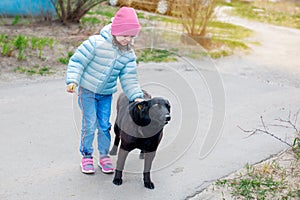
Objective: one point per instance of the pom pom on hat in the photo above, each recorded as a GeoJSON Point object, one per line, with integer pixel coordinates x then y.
{"type": "Point", "coordinates": [125, 22]}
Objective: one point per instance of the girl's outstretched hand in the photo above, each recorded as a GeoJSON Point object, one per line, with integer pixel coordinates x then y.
{"type": "Point", "coordinates": [71, 87]}
{"type": "Point", "coordinates": [138, 100]}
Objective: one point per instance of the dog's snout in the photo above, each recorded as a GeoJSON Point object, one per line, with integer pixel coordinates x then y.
{"type": "Point", "coordinates": [168, 117]}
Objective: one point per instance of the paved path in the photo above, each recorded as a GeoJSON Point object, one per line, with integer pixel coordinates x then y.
{"type": "Point", "coordinates": [39, 127]}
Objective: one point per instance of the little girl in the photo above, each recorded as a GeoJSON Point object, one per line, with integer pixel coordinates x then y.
{"type": "Point", "coordinates": [95, 67]}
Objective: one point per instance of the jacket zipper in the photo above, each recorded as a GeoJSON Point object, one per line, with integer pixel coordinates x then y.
{"type": "Point", "coordinates": [109, 73]}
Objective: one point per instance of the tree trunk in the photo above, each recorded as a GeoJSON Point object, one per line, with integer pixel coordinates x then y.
{"type": "Point", "coordinates": [72, 14]}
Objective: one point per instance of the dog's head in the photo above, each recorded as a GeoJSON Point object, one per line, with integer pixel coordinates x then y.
{"type": "Point", "coordinates": [155, 111]}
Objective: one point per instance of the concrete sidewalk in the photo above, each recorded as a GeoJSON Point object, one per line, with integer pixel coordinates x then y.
{"type": "Point", "coordinates": [39, 138]}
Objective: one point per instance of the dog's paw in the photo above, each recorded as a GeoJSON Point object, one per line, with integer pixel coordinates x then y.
{"type": "Point", "coordinates": [149, 185]}
{"type": "Point", "coordinates": [117, 181]}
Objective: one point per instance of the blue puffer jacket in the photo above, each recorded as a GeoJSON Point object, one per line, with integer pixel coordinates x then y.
{"type": "Point", "coordinates": [97, 64]}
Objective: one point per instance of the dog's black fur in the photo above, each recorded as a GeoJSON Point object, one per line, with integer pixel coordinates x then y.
{"type": "Point", "coordinates": [139, 125]}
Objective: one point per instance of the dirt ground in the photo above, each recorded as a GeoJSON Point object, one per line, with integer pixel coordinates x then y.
{"type": "Point", "coordinates": [66, 39]}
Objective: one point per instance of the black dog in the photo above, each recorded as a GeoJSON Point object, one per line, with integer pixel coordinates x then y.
{"type": "Point", "coordinates": [139, 125]}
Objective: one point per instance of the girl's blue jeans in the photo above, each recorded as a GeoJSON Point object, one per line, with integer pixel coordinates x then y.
{"type": "Point", "coordinates": [96, 111]}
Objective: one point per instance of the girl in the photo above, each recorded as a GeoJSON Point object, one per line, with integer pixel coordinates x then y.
{"type": "Point", "coordinates": [95, 67]}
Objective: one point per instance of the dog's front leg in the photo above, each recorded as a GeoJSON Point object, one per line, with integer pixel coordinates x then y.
{"type": "Point", "coordinates": [122, 155]}
{"type": "Point", "coordinates": [149, 156]}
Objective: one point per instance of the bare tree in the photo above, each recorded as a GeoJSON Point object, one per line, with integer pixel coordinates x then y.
{"type": "Point", "coordinates": [195, 15]}
{"type": "Point", "coordinates": [71, 11]}
{"type": "Point", "coordinates": [290, 123]}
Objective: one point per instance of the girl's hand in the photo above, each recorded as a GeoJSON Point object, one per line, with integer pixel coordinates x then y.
{"type": "Point", "coordinates": [71, 87]}
{"type": "Point", "coordinates": [138, 100]}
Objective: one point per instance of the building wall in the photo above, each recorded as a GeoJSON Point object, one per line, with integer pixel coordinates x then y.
{"type": "Point", "coordinates": [27, 8]}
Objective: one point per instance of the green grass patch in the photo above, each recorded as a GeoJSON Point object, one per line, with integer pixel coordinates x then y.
{"type": "Point", "coordinates": [296, 147]}
{"type": "Point", "coordinates": [220, 53]}
{"type": "Point", "coordinates": [90, 20]}
{"type": "Point", "coordinates": [21, 43]}
{"type": "Point", "coordinates": [259, 183]}
{"type": "Point", "coordinates": [24, 45]}
{"type": "Point", "coordinates": [106, 11]}
{"type": "Point", "coordinates": [99, 15]}
{"type": "Point", "coordinates": [232, 44]}
{"type": "Point", "coordinates": [227, 38]}
{"type": "Point", "coordinates": [44, 71]}
{"type": "Point", "coordinates": [33, 70]}
{"type": "Point", "coordinates": [282, 13]}
{"type": "Point", "coordinates": [65, 60]}
{"type": "Point", "coordinates": [227, 30]}
{"type": "Point", "coordinates": [16, 20]}
{"type": "Point", "coordinates": [155, 55]}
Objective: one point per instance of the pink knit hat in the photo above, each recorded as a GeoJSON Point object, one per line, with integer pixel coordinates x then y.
{"type": "Point", "coordinates": [125, 22]}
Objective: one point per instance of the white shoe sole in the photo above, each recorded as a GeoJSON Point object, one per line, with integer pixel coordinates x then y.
{"type": "Point", "coordinates": [86, 172]}
{"type": "Point", "coordinates": [105, 171]}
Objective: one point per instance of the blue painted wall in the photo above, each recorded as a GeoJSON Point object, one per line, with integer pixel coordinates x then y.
{"type": "Point", "coordinates": [27, 8]}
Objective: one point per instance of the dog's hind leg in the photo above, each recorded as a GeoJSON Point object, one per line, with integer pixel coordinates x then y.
{"type": "Point", "coordinates": [149, 156]}
{"type": "Point", "coordinates": [120, 166]}
{"type": "Point", "coordinates": [142, 154]}
{"type": "Point", "coordinates": [114, 149]}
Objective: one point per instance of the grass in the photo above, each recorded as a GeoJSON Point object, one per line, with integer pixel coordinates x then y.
{"type": "Point", "coordinates": [99, 15]}
{"type": "Point", "coordinates": [90, 20]}
{"type": "Point", "coordinates": [33, 70]}
{"type": "Point", "coordinates": [21, 43]}
{"type": "Point", "coordinates": [227, 38]}
{"type": "Point", "coordinates": [107, 11]}
{"type": "Point", "coordinates": [296, 147]}
{"type": "Point", "coordinates": [16, 20]}
{"type": "Point", "coordinates": [266, 181]}
{"type": "Point", "coordinates": [65, 60]}
{"type": "Point", "coordinates": [227, 30]}
{"type": "Point", "coordinates": [24, 45]}
{"type": "Point", "coordinates": [282, 13]}
{"type": "Point", "coordinates": [155, 55]}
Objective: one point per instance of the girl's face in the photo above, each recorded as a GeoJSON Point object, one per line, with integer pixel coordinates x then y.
{"type": "Point", "coordinates": [124, 39]}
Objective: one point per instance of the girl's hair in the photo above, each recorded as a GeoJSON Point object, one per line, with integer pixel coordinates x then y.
{"type": "Point", "coordinates": [122, 48]}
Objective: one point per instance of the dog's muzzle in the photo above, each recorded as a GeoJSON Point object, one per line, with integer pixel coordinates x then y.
{"type": "Point", "coordinates": [168, 118]}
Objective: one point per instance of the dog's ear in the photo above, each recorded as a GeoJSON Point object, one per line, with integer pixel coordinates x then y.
{"type": "Point", "coordinates": [138, 107]}
{"type": "Point", "coordinates": [139, 112]}
{"type": "Point", "coordinates": [142, 105]}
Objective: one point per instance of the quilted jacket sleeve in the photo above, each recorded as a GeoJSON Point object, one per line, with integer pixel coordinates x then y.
{"type": "Point", "coordinates": [80, 59]}
{"type": "Point", "coordinates": [129, 81]}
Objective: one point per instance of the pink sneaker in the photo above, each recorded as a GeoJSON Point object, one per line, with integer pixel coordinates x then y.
{"type": "Point", "coordinates": [105, 165]}
{"type": "Point", "coordinates": [87, 166]}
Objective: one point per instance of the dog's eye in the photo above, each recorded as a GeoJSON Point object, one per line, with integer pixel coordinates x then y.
{"type": "Point", "coordinates": [168, 106]}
